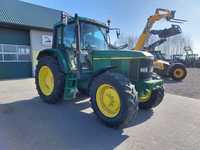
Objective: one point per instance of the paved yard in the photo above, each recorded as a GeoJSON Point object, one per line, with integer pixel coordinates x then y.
{"type": "Point", "coordinates": [190, 87]}
{"type": "Point", "coordinates": [26, 123]}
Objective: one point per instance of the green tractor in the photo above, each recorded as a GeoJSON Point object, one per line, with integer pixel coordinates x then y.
{"type": "Point", "coordinates": [82, 60]}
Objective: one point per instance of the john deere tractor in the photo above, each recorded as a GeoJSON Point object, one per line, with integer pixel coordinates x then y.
{"type": "Point", "coordinates": [82, 60]}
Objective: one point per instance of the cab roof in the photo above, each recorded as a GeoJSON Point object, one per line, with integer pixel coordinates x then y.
{"type": "Point", "coordinates": [84, 19]}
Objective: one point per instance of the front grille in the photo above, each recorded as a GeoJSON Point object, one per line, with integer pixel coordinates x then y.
{"type": "Point", "coordinates": [149, 64]}
{"type": "Point", "coordinates": [135, 65]}
{"type": "Point", "coordinates": [134, 68]}
{"type": "Point", "coordinates": [146, 63]}
{"type": "Point", "coordinates": [145, 76]}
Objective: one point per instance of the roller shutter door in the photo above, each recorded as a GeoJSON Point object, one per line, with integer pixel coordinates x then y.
{"type": "Point", "coordinates": [15, 53]}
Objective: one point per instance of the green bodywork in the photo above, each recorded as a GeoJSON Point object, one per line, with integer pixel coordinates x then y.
{"type": "Point", "coordinates": [119, 61]}
{"type": "Point", "coordinates": [126, 62]}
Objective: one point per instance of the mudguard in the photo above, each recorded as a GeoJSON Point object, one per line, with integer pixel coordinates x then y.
{"type": "Point", "coordinates": [99, 72]}
{"type": "Point", "coordinates": [70, 77]}
{"type": "Point", "coordinates": [59, 55]}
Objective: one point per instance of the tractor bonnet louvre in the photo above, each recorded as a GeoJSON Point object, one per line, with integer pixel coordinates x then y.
{"type": "Point", "coordinates": [134, 66]}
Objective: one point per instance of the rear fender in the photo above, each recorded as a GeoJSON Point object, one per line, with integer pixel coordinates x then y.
{"type": "Point", "coordinates": [58, 55]}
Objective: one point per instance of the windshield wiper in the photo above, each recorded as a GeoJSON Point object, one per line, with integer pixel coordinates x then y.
{"type": "Point", "coordinates": [104, 35]}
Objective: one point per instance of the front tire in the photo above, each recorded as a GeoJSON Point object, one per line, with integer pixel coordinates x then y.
{"type": "Point", "coordinates": [154, 100]}
{"type": "Point", "coordinates": [114, 99]}
{"type": "Point", "coordinates": [49, 80]}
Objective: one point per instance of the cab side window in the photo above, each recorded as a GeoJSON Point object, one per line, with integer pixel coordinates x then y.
{"type": "Point", "coordinates": [58, 37]}
{"type": "Point", "coordinates": [69, 36]}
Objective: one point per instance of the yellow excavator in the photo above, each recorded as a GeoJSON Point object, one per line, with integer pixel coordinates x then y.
{"type": "Point", "coordinates": [176, 71]}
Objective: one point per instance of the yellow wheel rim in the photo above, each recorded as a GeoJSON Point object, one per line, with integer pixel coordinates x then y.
{"type": "Point", "coordinates": [179, 73]}
{"type": "Point", "coordinates": [108, 100]}
{"type": "Point", "coordinates": [46, 80]}
{"type": "Point", "coordinates": [145, 96]}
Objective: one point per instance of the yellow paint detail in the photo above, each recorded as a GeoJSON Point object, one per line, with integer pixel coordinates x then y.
{"type": "Point", "coordinates": [108, 100]}
{"type": "Point", "coordinates": [34, 60]}
{"type": "Point", "coordinates": [179, 73]}
{"type": "Point", "coordinates": [145, 96]}
{"type": "Point", "coordinates": [118, 58]}
{"type": "Point", "coordinates": [46, 80]}
{"type": "Point", "coordinates": [141, 41]}
{"type": "Point", "coordinates": [158, 65]}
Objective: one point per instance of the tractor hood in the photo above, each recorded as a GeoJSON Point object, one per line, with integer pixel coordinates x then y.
{"type": "Point", "coordinates": [120, 54]}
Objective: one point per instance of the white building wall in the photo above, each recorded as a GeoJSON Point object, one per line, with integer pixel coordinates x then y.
{"type": "Point", "coordinates": [40, 40]}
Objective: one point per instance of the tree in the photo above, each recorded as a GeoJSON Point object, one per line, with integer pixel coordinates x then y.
{"type": "Point", "coordinates": [126, 39]}
{"type": "Point", "coordinates": [175, 45]}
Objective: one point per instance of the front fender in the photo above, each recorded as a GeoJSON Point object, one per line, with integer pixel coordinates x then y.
{"type": "Point", "coordinates": [102, 71]}
{"type": "Point", "coordinates": [149, 84]}
{"type": "Point", "coordinates": [97, 73]}
{"type": "Point", "coordinates": [59, 55]}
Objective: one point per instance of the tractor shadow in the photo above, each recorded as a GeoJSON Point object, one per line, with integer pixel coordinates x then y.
{"type": "Point", "coordinates": [170, 81]}
{"type": "Point", "coordinates": [32, 124]}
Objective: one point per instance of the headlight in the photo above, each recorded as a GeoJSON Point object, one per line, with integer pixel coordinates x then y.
{"type": "Point", "coordinates": [144, 69]}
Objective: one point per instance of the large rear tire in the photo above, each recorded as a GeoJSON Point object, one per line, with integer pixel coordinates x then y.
{"type": "Point", "coordinates": [49, 80]}
{"type": "Point", "coordinates": [114, 99]}
{"type": "Point", "coordinates": [155, 99]}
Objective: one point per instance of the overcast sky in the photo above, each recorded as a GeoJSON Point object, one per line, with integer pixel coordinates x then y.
{"type": "Point", "coordinates": [131, 15]}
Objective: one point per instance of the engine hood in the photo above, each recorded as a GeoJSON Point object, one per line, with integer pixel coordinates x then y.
{"type": "Point", "coordinates": [120, 54]}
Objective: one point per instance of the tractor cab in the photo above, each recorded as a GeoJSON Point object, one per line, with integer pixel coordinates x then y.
{"type": "Point", "coordinates": [80, 38]}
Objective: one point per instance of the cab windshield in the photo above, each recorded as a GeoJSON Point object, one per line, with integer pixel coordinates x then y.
{"type": "Point", "coordinates": [93, 37]}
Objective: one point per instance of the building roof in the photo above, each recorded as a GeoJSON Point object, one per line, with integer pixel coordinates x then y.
{"type": "Point", "coordinates": [25, 14]}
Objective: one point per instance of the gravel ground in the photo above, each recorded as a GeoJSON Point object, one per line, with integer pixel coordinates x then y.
{"type": "Point", "coordinates": [190, 87]}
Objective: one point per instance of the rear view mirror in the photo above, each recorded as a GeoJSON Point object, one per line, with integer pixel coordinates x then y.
{"type": "Point", "coordinates": [118, 33]}
{"type": "Point", "coordinates": [73, 45]}
{"type": "Point", "coordinates": [109, 22]}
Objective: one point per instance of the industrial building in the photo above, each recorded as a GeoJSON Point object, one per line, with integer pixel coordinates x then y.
{"type": "Point", "coordinates": [25, 29]}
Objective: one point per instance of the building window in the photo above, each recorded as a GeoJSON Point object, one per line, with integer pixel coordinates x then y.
{"type": "Point", "coordinates": [15, 53]}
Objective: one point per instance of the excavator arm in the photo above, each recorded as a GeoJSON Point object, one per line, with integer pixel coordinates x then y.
{"type": "Point", "coordinates": [168, 15]}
